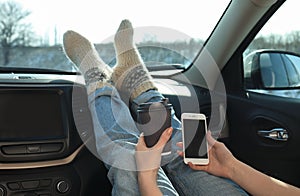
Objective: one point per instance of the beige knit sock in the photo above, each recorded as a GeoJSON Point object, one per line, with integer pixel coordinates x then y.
{"type": "Point", "coordinates": [130, 75]}
{"type": "Point", "coordinates": [84, 55]}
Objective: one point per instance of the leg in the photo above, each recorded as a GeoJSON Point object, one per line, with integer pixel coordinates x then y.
{"type": "Point", "coordinates": [185, 180]}
{"type": "Point", "coordinates": [116, 136]}
{"type": "Point", "coordinates": [115, 131]}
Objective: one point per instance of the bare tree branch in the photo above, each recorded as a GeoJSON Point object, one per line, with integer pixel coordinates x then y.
{"type": "Point", "coordinates": [13, 29]}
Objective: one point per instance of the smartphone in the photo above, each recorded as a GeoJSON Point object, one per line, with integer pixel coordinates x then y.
{"type": "Point", "coordinates": [195, 145]}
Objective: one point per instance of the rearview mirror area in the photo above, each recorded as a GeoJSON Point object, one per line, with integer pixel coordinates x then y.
{"type": "Point", "coordinates": [271, 69]}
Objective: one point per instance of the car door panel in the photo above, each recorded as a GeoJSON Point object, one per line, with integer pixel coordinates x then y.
{"type": "Point", "coordinates": [253, 112]}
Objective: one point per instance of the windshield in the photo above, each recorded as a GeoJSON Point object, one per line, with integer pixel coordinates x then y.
{"type": "Point", "coordinates": [166, 32]}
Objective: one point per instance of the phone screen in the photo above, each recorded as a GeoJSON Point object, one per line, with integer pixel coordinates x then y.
{"type": "Point", "coordinates": [194, 138]}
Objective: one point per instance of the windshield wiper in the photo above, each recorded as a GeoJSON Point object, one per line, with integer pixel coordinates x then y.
{"type": "Point", "coordinates": [164, 67]}
{"type": "Point", "coordinates": [36, 71]}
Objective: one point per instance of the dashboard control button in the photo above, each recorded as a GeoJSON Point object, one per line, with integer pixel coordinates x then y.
{"type": "Point", "coordinates": [13, 186]}
{"type": "Point", "coordinates": [34, 148]}
{"type": "Point", "coordinates": [12, 150]}
{"type": "Point", "coordinates": [62, 186]}
{"type": "Point", "coordinates": [2, 191]}
{"type": "Point", "coordinates": [56, 147]}
{"type": "Point", "coordinates": [30, 184]}
{"type": "Point", "coordinates": [45, 182]}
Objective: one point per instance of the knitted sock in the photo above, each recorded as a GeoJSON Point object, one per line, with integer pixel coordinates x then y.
{"type": "Point", "coordinates": [84, 55]}
{"type": "Point", "coordinates": [130, 75]}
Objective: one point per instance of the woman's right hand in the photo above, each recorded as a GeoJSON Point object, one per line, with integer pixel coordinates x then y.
{"type": "Point", "coordinates": [149, 158]}
{"type": "Point", "coordinates": [148, 162]}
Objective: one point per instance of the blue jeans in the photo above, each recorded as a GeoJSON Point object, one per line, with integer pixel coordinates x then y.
{"type": "Point", "coordinates": [116, 136]}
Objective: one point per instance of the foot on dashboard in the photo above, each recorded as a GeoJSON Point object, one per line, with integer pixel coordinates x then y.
{"type": "Point", "coordinates": [130, 74]}
{"type": "Point", "coordinates": [84, 55]}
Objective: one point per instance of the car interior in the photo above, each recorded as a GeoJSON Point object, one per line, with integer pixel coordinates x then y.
{"type": "Point", "coordinates": [47, 143]}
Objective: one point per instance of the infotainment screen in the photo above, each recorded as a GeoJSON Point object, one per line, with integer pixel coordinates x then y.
{"type": "Point", "coordinates": [31, 115]}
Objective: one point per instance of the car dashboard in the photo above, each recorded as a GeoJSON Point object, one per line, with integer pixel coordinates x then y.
{"type": "Point", "coordinates": [45, 134]}
{"type": "Point", "coordinates": [47, 143]}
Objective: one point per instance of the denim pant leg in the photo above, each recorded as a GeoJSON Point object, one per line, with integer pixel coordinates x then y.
{"type": "Point", "coordinates": [116, 136]}
{"type": "Point", "coordinates": [185, 180]}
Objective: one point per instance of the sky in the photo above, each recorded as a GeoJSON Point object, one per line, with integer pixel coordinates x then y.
{"type": "Point", "coordinates": [285, 20]}
{"type": "Point", "coordinates": [98, 20]}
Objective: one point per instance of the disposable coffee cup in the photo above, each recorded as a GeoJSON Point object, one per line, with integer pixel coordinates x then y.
{"type": "Point", "coordinates": [153, 119]}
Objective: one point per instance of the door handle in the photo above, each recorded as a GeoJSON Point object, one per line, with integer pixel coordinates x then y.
{"type": "Point", "coordinates": [277, 134]}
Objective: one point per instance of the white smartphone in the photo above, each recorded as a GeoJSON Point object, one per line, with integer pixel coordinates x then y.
{"type": "Point", "coordinates": [195, 145]}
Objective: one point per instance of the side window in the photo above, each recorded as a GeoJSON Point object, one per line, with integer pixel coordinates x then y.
{"type": "Point", "coordinates": [292, 72]}
{"type": "Point", "coordinates": [272, 60]}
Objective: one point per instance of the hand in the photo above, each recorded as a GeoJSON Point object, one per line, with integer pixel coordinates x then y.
{"type": "Point", "coordinates": [220, 158]}
{"type": "Point", "coordinates": [148, 162]}
{"type": "Point", "coordinates": [149, 158]}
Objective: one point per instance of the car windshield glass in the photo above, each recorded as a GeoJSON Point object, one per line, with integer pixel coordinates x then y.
{"type": "Point", "coordinates": [166, 32]}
